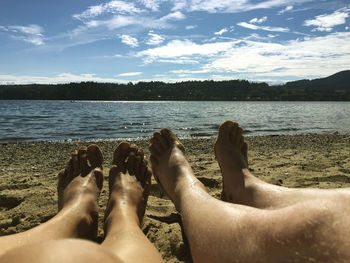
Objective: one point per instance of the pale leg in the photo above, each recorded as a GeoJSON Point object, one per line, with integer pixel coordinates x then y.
{"type": "Point", "coordinates": [129, 185]}
{"type": "Point", "coordinates": [240, 186]}
{"type": "Point", "coordinates": [60, 239]}
{"type": "Point", "coordinates": [224, 232]}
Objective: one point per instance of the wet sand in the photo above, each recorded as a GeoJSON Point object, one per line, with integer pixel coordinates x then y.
{"type": "Point", "coordinates": [28, 179]}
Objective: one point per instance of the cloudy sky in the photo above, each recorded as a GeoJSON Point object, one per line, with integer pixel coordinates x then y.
{"type": "Point", "coordinates": [45, 41]}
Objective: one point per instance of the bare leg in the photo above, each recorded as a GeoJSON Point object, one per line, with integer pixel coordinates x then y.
{"type": "Point", "coordinates": [77, 201]}
{"type": "Point", "coordinates": [59, 251]}
{"type": "Point", "coordinates": [129, 185]}
{"type": "Point", "coordinates": [224, 232]}
{"type": "Point", "coordinates": [242, 187]}
{"type": "Point", "coordinates": [58, 240]}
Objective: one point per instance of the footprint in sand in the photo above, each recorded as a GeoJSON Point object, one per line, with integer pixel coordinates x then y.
{"type": "Point", "coordinates": [9, 202]}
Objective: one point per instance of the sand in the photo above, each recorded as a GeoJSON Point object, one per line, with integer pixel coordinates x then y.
{"type": "Point", "coordinates": [28, 179]}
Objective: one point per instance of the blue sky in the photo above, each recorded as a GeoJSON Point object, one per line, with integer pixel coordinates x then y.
{"type": "Point", "coordinates": [46, 41]}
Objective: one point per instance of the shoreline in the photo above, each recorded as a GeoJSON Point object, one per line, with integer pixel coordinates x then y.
{"type": "Point", "coordinates": [29, 178]}
{"type": "Point", "coordinates": [145, 138]}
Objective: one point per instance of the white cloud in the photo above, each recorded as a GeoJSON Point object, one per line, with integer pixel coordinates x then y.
{"type": "Point", "coordinates": [257, 20]}
{"type": "Point", "coordinates": [166, 78]}
{"type": "Point", "coordinates": [112, 7]}
{"type": "Point", "coordinates": [182, 49]}
{"type": "Point", "coordinates": [287, 9]}
{"type": "Point", "coordinates": [235, 6]}
{"type": "Point", "coordinates": [299, 58]}
{"type": "Point", "coordinates": [61, 78]}
{"type": "Point", "coordinates": [173, 16]}
{"type": "Point", "coordinates": [120, 21]}
{"type": "Point", "coordinates": [247, 25]}
{"type": "Point", "coordinates": [129, 40]}
{"type": "Point", "coordinates": [129, 74]}
{"type": "Point", "coordinates": [31, 33]}
{"type": "Point", "coordinates": [154, 39]}
{"type": "Point", "coordinates": [151, 4]}
{"type": "Point", "coordinates": [258, 59]}
{"type": "Point", "coordinates": [189, 27]}
{"type": "Point", "coordinates": [38, 41]}
{"type": "Point", "coordinates": [219, 33]}
{"type": "Point", "coordinates": [185, 71]}
{"type": "Point", "coordinates": [29, 30]}
{"type": "Point", "coordinates": [327, 22]}
{"type": "Point", "coordinates": [265, 28]}
{"type": "Point", "coordinates": [175, 60]}
{"type": "Point", "coordinates": [179, 5]}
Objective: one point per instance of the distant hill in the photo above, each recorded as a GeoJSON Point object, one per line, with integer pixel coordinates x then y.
{"type": "Point", "coordinates": [340, 80]}
{"type": "Point", "coordinates": [332, 88]}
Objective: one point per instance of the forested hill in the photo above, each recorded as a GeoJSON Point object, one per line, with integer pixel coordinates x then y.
{"type": "Point", "coordinates": [340, 80]}
{"type": "Point", "coordinates": [332, 88]}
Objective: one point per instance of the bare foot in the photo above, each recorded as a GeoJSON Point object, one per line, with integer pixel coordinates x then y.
{"type": "Point", "coordinates": [170, 165]}
{"type": "Point", "coordinates": [79, 186]}
{"type": "Point", "coordinates": [231, 153]}
{"type": "Point", "coordinates": [129, 186]}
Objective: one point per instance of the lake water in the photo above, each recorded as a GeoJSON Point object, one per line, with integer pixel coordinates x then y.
{"type": "Point", "coordinates": [64, 120]}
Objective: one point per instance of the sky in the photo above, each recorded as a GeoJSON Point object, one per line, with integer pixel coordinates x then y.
{"type": "Point", "coordinates": [275, 41]}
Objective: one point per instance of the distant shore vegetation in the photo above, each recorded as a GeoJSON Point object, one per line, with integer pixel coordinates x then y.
{"type": "Point", "coordinates": [332, 88]}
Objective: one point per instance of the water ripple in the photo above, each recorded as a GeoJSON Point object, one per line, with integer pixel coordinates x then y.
{"type": "Point", "coordinates": [62, 120]}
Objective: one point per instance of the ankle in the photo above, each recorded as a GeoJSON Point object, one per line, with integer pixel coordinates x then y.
{"type": "Point", "coordinates": [188, 189]}
{"type": "Point", "coordinates": [121, 213]}
{"type": "Point", "coordinates": [82, 223]}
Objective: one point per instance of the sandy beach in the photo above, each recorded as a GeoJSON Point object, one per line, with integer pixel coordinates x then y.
{"type": "Point", "coordinates": [28, 173]}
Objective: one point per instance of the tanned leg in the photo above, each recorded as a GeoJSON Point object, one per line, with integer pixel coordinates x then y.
{"type": "Point", "coordinates": [224, 232]}
{"type": "Point", "coordinates": [59, 239]}
{"type": "Point", "coordinates": [242, 187]}
{"type": "Point", "coordinates": [129, 185]}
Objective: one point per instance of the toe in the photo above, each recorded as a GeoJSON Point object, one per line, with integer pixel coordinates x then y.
{"type": "Point", "coordinates": [142, 173]}
{"type": "Point", "coordinates": [114, 170]}
{"type": "Point", "coordinates": [61, 179]}
{"type": "Point", "coordinates": [147, 185]}
{"type": "Point", "coordinates": [240, 142]}
{"type": "Point", "coordinates": [225, 130]}
{"type": "Point", "coordinates": [161, 141]}
{"type": "Point", "coordinates": [97, 172]}
{"type": "Point", "coordinates": [132, 163]}
{"type": "Point", "coordinates": [83, 160]}
{"type": "Point", "coordinates": [138, 163]}
{"type": "Point", "coordinates": [134, 149]}
{"type": "Point", "coordinates": [69, 169]}
{"type": "Point", "coordinates": [171, 139]}
{"type": "Point", "coordinates": [245, 150]}
{"type": "Point", "coordinates": [154, 147]}
{"type": "Point", "coordinates": [234, 133]}
{"type": "Point", "coordinates": [168, 135]}
{"type": "Point", "coordinates": [121, 153]}
{"type": "Point", "coordinates": [76, 164]}
{"type": "Point", "coordinates": [62, 182]}
{"type": "Point", "coordinates": [239, 137]}
{"type": "Point", "coordinates": [94, 156]}
{"type": "Point", "coordinates": [140, 153]}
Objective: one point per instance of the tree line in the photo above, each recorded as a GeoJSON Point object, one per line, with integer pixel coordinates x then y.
{"type": "Point", "coordinates": [230, 90]}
